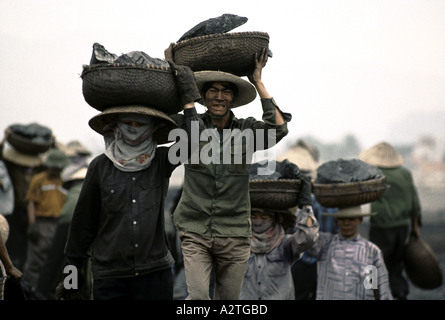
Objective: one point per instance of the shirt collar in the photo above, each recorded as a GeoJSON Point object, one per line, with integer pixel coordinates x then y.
{"type": "Point", "coordinates": [354, 239]}
{"type": "Point", "coordinates": [232, 120]}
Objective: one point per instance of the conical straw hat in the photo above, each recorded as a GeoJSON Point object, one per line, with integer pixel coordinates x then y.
{"type": "Point", "coordinates": [351, 212]}
{"type": "Point", "coordinates": [99, 122]}
{"type": "Point", "coordinates": [382, 155]}
{"type": "Point", "coordinates": [246, 91]}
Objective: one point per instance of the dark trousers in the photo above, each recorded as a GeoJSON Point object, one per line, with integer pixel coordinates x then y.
{"type": "Point", "coordinates": [157, 285]}
{"type": "Point", "coordinates": [391, 242]}
{"type": "Point", "coordinates": [304, 276]}
{"type": "Point", "coordinates": [52, 270]}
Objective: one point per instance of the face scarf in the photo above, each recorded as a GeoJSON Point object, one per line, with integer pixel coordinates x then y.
{"type": "Point", "coordinates": [131, 148]}
{"type": "Point", "coordinates": [267, 234]}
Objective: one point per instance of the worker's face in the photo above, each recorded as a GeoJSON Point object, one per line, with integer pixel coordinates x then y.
{"type": "Point", "coordinates": [219, 98]}
{"type": "Point", "coordinates": [134, 124]}
{"type": "Point", "coordinates": [53, 173]}
{"type": "Point", "coordinates": [261, 221]}
{"type": "Point", "coordinates": [348, 227]}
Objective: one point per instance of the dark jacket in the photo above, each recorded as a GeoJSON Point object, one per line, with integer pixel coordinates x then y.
{"type": "Point", "coordinates": [119, 218]}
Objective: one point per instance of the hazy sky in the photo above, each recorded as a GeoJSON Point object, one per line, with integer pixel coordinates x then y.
{"type": "Point", "coordinates": [340, 67]}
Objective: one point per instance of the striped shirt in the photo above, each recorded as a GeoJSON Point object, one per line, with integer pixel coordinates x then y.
{"type": "Point", "coordinates": [350, 269]}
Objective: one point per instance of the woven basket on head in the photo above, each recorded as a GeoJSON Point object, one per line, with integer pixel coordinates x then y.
{"type": "Point", "coordinates": [28, 146]}
{"type": "Point", "coordinates": [421, 264]}
{"type": "Point", "coordinates": [349, 194]}
{"type": "Point", "coordinates": [274, 194]}
{"type": "Point", "coordinates": [112, 85]}
{"type": "Point", "coordinates": [228, 52]}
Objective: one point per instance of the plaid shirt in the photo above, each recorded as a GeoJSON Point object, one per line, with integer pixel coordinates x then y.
{"type": "Point", "coordinates": [341, 268]}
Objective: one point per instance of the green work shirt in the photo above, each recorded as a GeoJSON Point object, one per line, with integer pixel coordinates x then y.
{"type": "Point", "coordinates": [400, 202]}
{"type": "Point", "coordinates": [215, 198]}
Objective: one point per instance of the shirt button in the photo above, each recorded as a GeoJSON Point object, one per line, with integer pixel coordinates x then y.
{"type": "Point", "coordinates": [134, 200]}
{"type": "Point", "coordinates": [134, 178]}
{"type": "Point", "coordinates": [134, 222]}
{"type": "Point", "coordinates": [112, 191]}
{"type": "Point", "coordinates": [136, 274]}
{"type": "Point", "coordinates": [136, 245]}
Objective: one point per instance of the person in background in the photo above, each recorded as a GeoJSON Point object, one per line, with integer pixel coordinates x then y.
{"type": "Point", "coordinates": [21, 169]}
{"type": "Point", "coordinates": [398, 211]}
{"type": "Point", "coordinates": [78, 155]}
{"type": "Point", "coordinates": [344, 259]}
{"type": "Point", "coordinates": [53, 266]}
{"type": "Point", "coordinates": [46, 198]}
{"type": "Point", "coordinates": [304, 270]}
{"type": "Point", "coordinates": [6, 191]}
{"type": "Point", "coordinates": [213, 216]}
{"type": "Point", "coordinates": [273, 252]}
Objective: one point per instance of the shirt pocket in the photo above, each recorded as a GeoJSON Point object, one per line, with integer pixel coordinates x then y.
{"type": "Point", "coordinates": [239, 160]}
{"type": "Point", "coordinates": [114, 198]}
{"type": "Point", "coordinates": [150, 195]}
{"type": "Point", "coordinates": [276, 265]}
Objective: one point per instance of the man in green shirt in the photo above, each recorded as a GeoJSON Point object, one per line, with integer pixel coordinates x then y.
{"type": "Point", "coordinates": [213, 215]}
{"type": "Point", "coordinates": [398, 209]}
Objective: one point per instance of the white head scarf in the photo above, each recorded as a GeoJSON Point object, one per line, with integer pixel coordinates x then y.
{"type": "Point", "coordinates": [131, 148]}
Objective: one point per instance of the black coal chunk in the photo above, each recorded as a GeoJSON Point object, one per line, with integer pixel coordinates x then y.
{"type": "Point", "coordinates": [101, 55]}
{"type": "Point", "coordinates": [282, 170]}
{"type": "Point", "coordinates": [33, 132]}
{"type": "Point", "coordinates": [346, 171]}
{"type": "Point", "coordinates": [221, 24]}
{"type": "Point", "coordinates": [140, 58]}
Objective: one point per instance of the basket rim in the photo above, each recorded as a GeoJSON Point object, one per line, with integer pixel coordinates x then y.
{"type": "Point", "coordinates": [123, 66]}
{"type": "Point", "coordinates": [274, 180]}
{"type": "Point", "coordinates": [274, 191]}
{"type": "Point", "coordinates": [209, 37]}
{"type": "Point", "coordinates": [338, 189]}
{"type": "Point", "coordinates": [347, 184]}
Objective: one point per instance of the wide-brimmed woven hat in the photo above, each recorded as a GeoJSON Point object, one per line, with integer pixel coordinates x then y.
{"type": "Point", "coordinates": [108, 116]}
{"type": "Point", "coordinates": [4, 228]}
{"type": "Point", "coordinates": [350, 212]}
{"type": "Point", "coordinates": [382, 155]}
{"type": "Point", "coordinates": [22, 159]}
{"type": "Point", "coordinates": [246, 91]}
